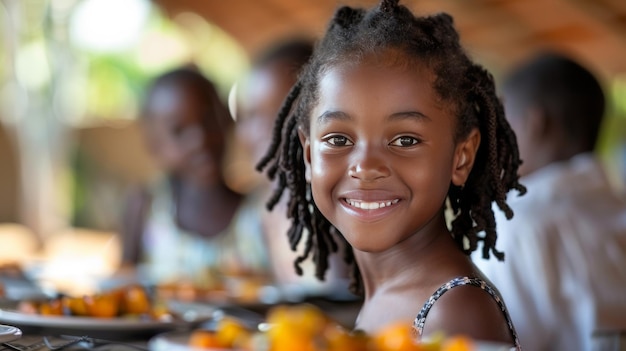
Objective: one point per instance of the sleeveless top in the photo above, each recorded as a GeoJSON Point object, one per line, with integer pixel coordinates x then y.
{"type": "Point", "coordinates": [171, 253]}
{"type": "Point", "coordinates": [418, 324]}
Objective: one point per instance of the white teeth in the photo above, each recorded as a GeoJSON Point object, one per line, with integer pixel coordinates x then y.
{"type": "Point", "coordinates": [370, 205]}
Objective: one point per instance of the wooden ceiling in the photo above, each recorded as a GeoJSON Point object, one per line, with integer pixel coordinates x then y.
{"type": "Point", "coordinates": [497, 33]}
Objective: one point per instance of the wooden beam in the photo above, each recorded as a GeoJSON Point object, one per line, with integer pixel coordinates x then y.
{"type": "Point", "coordinates": [501, 32]}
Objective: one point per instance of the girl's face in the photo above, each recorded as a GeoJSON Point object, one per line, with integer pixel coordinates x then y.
{"type": "Point", "coordinates": [381, 154]}
{"type": "Point", "coordinates": [183, 136]}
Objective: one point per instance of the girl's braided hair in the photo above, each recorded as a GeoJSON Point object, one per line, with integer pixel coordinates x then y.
{"type": "Point", "coordinates": [433, 41]}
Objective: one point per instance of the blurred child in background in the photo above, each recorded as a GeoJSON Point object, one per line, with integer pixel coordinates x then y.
{"type": "Point", "coordinates": [177, 227]}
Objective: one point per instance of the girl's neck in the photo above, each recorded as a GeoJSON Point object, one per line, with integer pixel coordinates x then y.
{"type": "Point", "coordinates": [420, 260]}
{"type": "Point", "coordinates": [203, 209]}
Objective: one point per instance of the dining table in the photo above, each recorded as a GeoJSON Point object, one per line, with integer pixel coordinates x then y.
{"type": "Point", "coordinates": [43, 338]}
{"type": "Point", "coordinates": [48, 333]}
{"type": "Point", "coordinates": [31, 331]}
{"type": "Point", "coordinates": [39, 342]}
{"type": "Point", "coordinates": [22, 331]}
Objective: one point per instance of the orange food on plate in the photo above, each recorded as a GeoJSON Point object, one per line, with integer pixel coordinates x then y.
{"type": "Point", "coordinates": [129, 301]}
{"type": "Point", "coordinates": [397, 336]}
{"type": "Point", "coordinates": [295, 327]}
{"type": "Point", "coordinates": [205, 339]}
{"type": "Point", "coordinates": [458, 343]}
{"type": "Point", "coordinates": [232, 333]}
{"type": "Point", "coordinates": [229, 334]}
{"type": "Point", "coordinates": [339, 339]}
{"type": "Point", "coordinates": [305, 320]}
{"type": "Point", "coordinates": [135, 300]}
{"type": "Point", "coordinates": [102, 305]}
{"type": "Point", "coordinates": [306, 328]}
{"type": "Point", "coordinates": [75, 305]}
{"type": "Point", "coordinates": [53, 308]}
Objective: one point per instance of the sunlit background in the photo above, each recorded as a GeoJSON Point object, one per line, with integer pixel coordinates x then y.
{"type": "Point", "coordinates": [71, 76]}
{"type": "Point", "coordinates": [72, 73]}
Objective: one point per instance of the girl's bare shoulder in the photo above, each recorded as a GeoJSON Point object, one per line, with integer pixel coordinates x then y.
{"type": "Point", "coordinates": [468, 310]}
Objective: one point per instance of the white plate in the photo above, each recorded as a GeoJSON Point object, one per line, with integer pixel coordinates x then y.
{"type": "Point", "coordinates": [9, 333]}
{"type": "Point", "coordinates": [110, 328]}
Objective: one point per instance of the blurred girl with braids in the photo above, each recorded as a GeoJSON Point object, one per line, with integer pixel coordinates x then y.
{"type": "Point", "coordinates": [389, 122]}
{"type": "Point", "coordinates": [179, 226]}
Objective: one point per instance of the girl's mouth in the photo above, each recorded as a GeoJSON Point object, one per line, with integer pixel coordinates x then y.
{"type": "Point", "coordinates": [373, 205]}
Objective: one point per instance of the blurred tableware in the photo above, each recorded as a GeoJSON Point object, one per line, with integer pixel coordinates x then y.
{"type": "Point", "coordinates": [17, 289]}
{"type": "Point", "coordinates": [121, 328]}
{"type": "Point", "coordinates": [9, 333]}
{"type": "Point", "coordinates": [31, 342]}
{"type": "Point", "coordinates": [16, 284]}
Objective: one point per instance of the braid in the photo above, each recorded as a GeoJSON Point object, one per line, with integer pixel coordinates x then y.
{"type": "Point", "coordinates": [499, 157]}
{"type": "Point", "coordinates": [431, 41]}
{"type": "Point", "coordinates": [274, 145]}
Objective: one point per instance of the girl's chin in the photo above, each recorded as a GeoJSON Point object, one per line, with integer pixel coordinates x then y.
{"type": "Point", "coordinates": [368, 247]}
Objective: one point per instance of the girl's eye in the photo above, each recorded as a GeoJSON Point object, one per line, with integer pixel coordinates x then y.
{"type": "Point", "coordinates": [338, 140]}
{"type": "Point", "coordinates": [405, 141]}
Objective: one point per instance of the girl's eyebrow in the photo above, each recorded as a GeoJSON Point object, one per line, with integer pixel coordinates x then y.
{"type": "Point", "coordinates": [327, 116]}
{"type": "Point", "coordinates": [409, 115]}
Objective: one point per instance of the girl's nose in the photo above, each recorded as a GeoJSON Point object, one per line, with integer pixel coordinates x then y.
{"type": "Point", "coordinates": [369, 165]}
{"type": "Point", "coordinates": [194, 138]}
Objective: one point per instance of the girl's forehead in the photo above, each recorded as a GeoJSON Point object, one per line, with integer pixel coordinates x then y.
{"type": "Point", "coordinates": [370, 87]}
{"type": "Point", "coordinates": [378, 72]}
{"type": "Point", "coordinates": [420, 66]}
{"type": "Point", "coordinates": [389, 67]}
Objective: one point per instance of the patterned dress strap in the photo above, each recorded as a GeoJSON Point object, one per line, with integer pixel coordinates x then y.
{"type": "Point", "coordinates": [418, 324]}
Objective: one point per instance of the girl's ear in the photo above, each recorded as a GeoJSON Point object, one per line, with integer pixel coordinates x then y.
{"type": "Point", "coordinates": [464, 157]}
{"type": "Point", "coordinates": [306, 152]}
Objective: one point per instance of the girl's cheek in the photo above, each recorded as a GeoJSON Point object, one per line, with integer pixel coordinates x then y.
{"type": "Point", "coordinates": [321, 166]}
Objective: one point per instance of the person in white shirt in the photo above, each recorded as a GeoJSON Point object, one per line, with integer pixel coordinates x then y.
{"type": "Point", "coordinates": [564, 274]}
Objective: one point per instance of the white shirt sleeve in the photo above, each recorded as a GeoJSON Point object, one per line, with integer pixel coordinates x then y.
{"type": "Point", "coordinates": [527, 280]}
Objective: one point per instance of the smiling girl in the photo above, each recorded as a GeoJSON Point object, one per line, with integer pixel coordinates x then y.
{"type": "Point", "coordinates": [389, 122]}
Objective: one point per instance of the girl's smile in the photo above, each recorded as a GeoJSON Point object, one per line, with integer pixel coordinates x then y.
{"type": "Point", "coordinates": [369, 205]}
